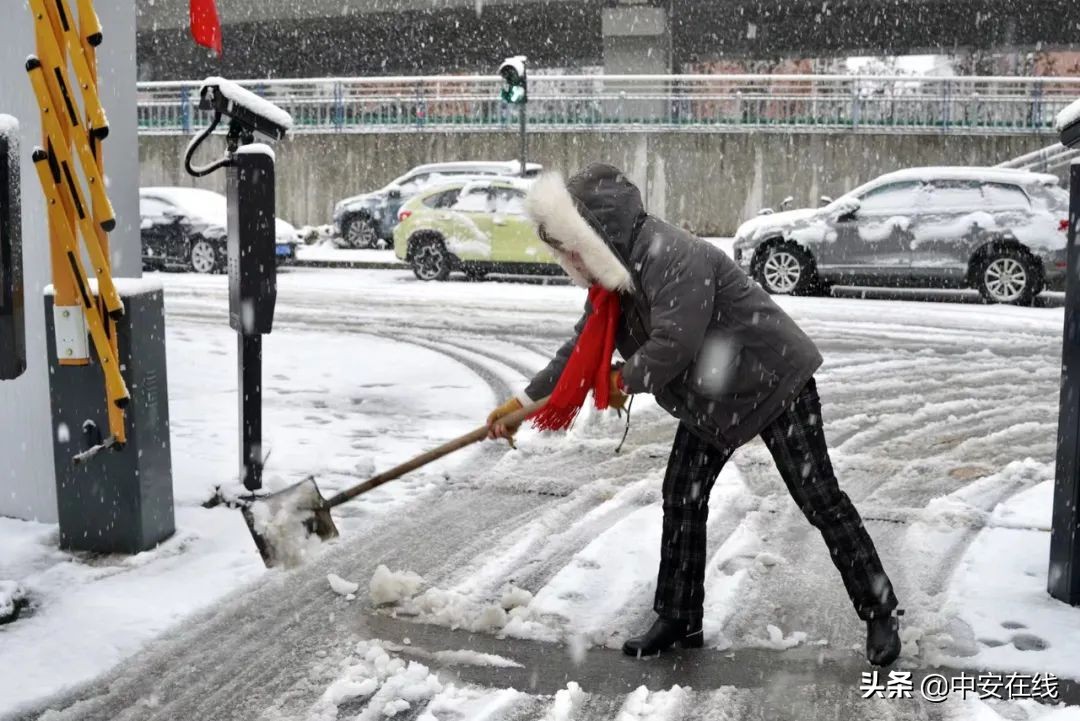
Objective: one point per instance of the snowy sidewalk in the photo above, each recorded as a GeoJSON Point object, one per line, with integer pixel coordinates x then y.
{"type": "Point", "coordinates": [336, 406]}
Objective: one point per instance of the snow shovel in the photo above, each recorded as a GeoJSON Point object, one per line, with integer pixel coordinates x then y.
{"type": "Point", "coordinates": [281, 523]}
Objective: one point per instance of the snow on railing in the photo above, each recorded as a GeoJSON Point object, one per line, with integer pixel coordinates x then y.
{"type": "Point", "coordinates": [699, 102]}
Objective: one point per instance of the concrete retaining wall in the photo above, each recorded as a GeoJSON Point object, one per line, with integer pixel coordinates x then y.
{"type": "Point", "coordinates": [711, 181]}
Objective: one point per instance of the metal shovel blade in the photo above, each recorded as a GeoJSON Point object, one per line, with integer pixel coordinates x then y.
{"type": "Point", "coordinates": [281, 523]}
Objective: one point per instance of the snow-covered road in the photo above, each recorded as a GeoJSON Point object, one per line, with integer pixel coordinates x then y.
{"type": "Point", "coordinates": [942, 418]}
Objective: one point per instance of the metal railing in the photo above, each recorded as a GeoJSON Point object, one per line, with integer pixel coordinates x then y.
{"type": "Point", "coordinates": [626, 102]}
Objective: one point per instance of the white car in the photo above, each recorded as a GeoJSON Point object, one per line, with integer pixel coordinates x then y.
{"type": "Point", "coordinates": [184, 228]}
{"type": "Point", "coordinates": [1002, 232]}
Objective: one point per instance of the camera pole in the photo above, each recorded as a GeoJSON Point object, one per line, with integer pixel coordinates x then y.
{"type": "Point", "coordinates": [524, 136]}
{"type": "Point", "coordinates": [250, 189]}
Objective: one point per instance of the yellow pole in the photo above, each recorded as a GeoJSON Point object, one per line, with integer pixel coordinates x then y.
{"type": "Point", "coordinates": [90, 35]}
{"type": "Point", "coordinates": [66, 295]}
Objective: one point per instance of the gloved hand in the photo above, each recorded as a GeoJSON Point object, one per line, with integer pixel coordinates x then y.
{"type": "Point", "coordinates": [500, 430]}
{"type": "Point", "coordinates": [617, 395]}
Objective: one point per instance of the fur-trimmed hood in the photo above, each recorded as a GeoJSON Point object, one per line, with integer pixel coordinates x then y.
{"type": "Point", "coordinates": [590, 223]}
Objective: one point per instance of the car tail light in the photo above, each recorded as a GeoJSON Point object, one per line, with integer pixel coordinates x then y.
{"type": "Point", "coordinates": [1060, 264]}
{"type": "Point", "coordinates": [1063, 226]}
{"type": "Point", "coordinates": [403, 215]}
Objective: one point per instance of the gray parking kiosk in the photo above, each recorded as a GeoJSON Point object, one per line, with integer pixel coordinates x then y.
{"type": "Point", "coordinates": [252, 262]}
{"type": "Point", "coordinates": [12, 313]}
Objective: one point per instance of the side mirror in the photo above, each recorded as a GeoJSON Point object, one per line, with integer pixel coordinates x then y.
{"type": "Point", "coordinates": [765, 211]}
{"type": "Point", "coordinates": [825, 200]}
{"type": "Point", "coordinates": [172, 214]}
{"type": "Point", "coordinates": [845, 210]}
{"type": "Point", "coordinates": [394, 193]}
{"type": "Point", "coordinates": [786, 202]}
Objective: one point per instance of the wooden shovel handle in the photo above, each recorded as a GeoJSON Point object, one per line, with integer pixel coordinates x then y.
{"type": "Point", "coordinates": [515, 418]}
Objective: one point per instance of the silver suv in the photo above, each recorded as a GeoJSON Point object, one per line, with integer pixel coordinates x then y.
{"type": "Point", "coordinates": [1000, 231]}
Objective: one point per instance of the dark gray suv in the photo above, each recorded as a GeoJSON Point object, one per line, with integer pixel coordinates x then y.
{"type": "Point", "coordinates": [1000, 231]}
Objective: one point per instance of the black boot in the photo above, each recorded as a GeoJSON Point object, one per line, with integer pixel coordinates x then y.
{"type": "Point", "coordinates": [883, 639]}
{"type": "Point", "coordinates": [665, 633]}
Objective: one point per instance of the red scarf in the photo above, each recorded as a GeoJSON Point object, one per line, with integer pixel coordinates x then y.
{"type": "Point", "coordinates": [589, 365]}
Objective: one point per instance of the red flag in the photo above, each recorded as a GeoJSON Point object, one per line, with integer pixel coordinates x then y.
{"type": "Point", "coordinates": [205, 26]}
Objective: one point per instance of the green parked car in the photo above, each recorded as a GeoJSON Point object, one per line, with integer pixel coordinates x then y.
{"type": "Point", "coordinates": [476, 226]}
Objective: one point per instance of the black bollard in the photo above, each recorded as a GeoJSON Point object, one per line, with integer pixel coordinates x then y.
{"type": "Point", "coordinates": [1063, 581]}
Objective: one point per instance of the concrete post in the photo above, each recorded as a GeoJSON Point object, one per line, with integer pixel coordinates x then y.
{"type": "Point", "coordinates": [637, 41]}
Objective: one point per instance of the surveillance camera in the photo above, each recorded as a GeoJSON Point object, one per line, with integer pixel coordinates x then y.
{"type": "Point", "coordinates": [1068, 125]}
{"type": "Point", "coordinates": [255, 114]}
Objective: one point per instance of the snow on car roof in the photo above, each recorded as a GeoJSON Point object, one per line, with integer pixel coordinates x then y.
{"type": "Point", "coordinates": [522, 184]}
{"type": "Point", "coordinates": [510, 166]}
{"type": "Point", "coordinates": [969, 172]}
{"type": "Point", "coordinates": [464, 182]}
{"type": "Point", "coordinates": [205, 204]}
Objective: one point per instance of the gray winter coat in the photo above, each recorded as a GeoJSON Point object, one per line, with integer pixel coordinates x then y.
{"type": "Point", "coordinates": [696, 332]}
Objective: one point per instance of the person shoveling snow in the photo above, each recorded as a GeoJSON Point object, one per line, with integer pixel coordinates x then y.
{"type": "Point", "coordinates": [718, 354]}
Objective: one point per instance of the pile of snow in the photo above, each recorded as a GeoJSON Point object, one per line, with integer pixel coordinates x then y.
{"type": "Point", "coordinates": [465, 657]}
{"type": "Point", "coordinates": [12, 598]}
{"type": "Point", "coordinates": [444, 607]}
{"type": "Point", "coordinates": [641, 705]}
{"type": "Point", "coordinates": [392, 685]}
{"type": "Point", "coordinates": [567, 701]}
{"type": "Point", "coordinates": [515, 597]}
{"type": "Point", "coordinates": [393, 586]}
{"type": "Point", "coordinates": [471, 703]}
{"type": "Point", "coordinates": [457, 610]}
{"type": "Point", "coordinates": [450, 608]}
{"type": "Point", "coordinates": [777, 641]}
{"type": "Point", "coordinates": [458, 657]}
{"type": "Point", "coordinates": [282, 523]}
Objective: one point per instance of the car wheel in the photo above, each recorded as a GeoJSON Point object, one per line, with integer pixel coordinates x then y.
{"type": "Point", "coordinates": [430, 261]}
{"type": "Point", "coordinates": [203, 257]}
{"type": "Point", "coordinates": [786, 269]}
{"type": "Point", "coordinates": [1008, 275]}
{"type": "Point", "coordinates": [360, 232]}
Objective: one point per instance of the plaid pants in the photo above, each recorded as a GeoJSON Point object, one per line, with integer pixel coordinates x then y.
{"type": "Point", "coordinates": [796, 441]}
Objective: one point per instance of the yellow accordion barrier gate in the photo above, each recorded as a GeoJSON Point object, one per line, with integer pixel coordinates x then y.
{"type": "Point", "coordinates": [73, 211]}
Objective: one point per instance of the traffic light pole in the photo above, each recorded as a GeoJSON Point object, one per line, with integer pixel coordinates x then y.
{"type": "Point", "coordinates": [524, 136]}
{"type": "Point", "coordinates": [1064, 577]}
